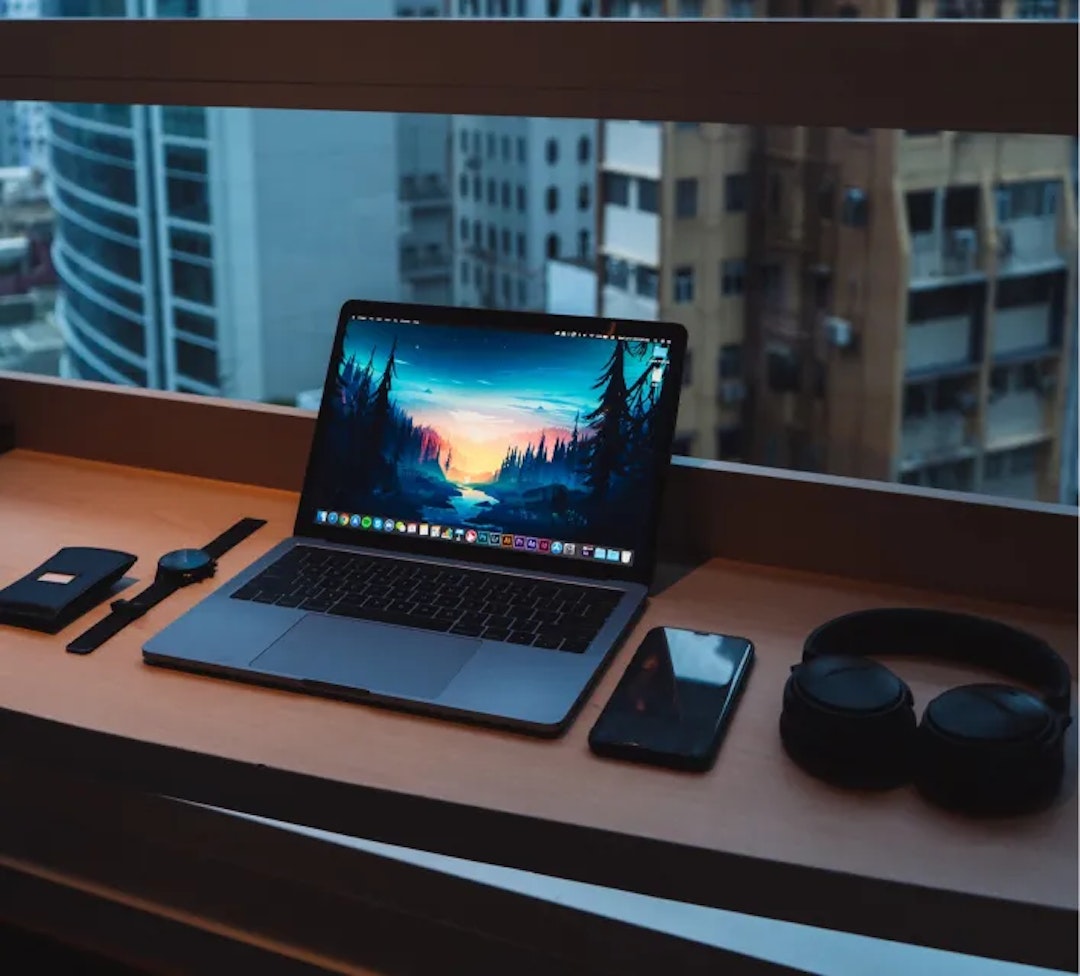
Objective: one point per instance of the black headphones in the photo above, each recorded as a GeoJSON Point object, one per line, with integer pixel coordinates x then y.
{"type": "Point", "coordinates": [981, 748]}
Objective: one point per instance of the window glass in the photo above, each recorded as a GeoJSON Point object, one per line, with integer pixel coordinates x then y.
{"type": "Point", "coordinates": [139, 253]}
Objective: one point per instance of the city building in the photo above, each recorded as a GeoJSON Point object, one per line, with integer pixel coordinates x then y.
{"type": "Point", "coordinates": [209, 250]}
{"type": "Point", "coordinates": [877, 303]}
{"type": "Point", "coordinates": [23, 127]}
{"type": "Point", "coordinates": [524, 189]}
{"type": "Point", "coordinates": [30, 340]}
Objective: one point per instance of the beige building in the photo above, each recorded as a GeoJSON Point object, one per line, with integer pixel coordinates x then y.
{"type": "Point", "coordinates": [879, 303]}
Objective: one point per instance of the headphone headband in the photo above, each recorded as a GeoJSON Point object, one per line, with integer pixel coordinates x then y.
{"type": "Point", "coordinates": [959, 637]}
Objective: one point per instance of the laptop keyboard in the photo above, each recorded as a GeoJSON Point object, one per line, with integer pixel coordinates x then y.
{"type": "Point", "coordinates": [496, 606]}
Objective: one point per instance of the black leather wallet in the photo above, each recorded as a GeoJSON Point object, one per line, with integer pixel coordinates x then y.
{"type": "Point", "coordinates": [63, 588]}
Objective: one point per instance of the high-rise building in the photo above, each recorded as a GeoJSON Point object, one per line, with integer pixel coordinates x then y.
{"type": "Point", "coordinates": [523, 190]}
{"type": "Point", "coordinates": [877, 303]}
{"type": "Point", "coordinates": [209, 250]}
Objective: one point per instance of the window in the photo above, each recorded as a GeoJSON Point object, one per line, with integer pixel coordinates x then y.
{"type": "Point", "coordinates": [691, 8]}
{"type": "Point", "coordinates": [491, 192]}
{"type": "Point", "coordinates": [1037, 9]}
{"type": "Point", "coordinates": [648, 196]}
{"type": "Point", "coordinates": [522, 152]}
{"type": "Point", "coordinates": [740, 9]}
{"type": "Point", "coordinates": [647, 281]}
{"type": "Point", "coordinates": [616, 273]}
{"type": "Point", "coordinates": [490, 145]}
{"type": "Point", "coordinates": [521, 199]}
{"type": "Point", "coordinates": [478, 234]}
{"type": "Point", "coordinates": [617, 189]}
{"type": "Point", "coordinates": [772, 282]}
{"type": "Point", "coordinates": [583, 197]}
{"type": "Point", "coordinates": [730, 364]}
{"type": "Point", "coordinates": [463, 139]}
{"type": "Point", "coordinates": [504, 144]}
{"type": "Point", "coordinates": [552, 246]}
{"type": "Point", "coordinates": [584, 244]}
{"type": "Point", "coordinates": [686, 191]}
{"type": "Point", "coordinates": [521, 247]}
{"type": "Point", "coordinates": [854, 211]}
{"type": "Point", "coordinates": [464, 230]}
{"type": "Point", "coordinates": [584, 149]}
{"type": "Point", "coordinates": [554, 7]}
{"type": "Point", "coordinates": [464, 272]}
{"type": "Point", "coordinates": [478, 188]}
{"type": "Point", "coordinates": [492, 238]}
{"type": "Point", "coordinates": [908, 9]}
{"type": "Point", "coordinates": [732, 276]}
{"type": "Point", "coordinates": [505, 195]}
{"type": "Point", "coordinates": [736, 191]}
{"type": "Point", "coordinates": [683, 284]}
{"type": "Point", "coordinates": [463, 185]}
{"type": "Point", "coordinates": [506, 244]}
{"type": "Point", "coordinates": [551, 151]}
{"type": "Point", "coordinates": [551, 199]}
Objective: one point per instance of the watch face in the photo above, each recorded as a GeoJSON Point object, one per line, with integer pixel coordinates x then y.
{"type": "Point", "coordinates": [189, 564]}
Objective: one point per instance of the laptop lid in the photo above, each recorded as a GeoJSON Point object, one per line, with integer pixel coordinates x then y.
{"type": "Point", "coordinates": [505, 438]}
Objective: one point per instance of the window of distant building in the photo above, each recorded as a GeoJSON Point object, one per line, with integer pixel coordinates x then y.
{"type": "Point", "coordinates": [521, 199]}
{"type": "Point", "coordinates": [551, 199]}
{"type": "Point", "coordinates": [683, 284]}
{"type": "Point", "coordinates": [648, 195]}
{"type": "Point", "coordinates": [686, 193]}
{"type": "Point", "coordinates": [647, 281]}
{"type": "Point", "coordinates": [521, 246]}
{"type": "Point", "coordinates": [521, 150]}
{"type": "Point", "coordinates": [617, 189]}
{"type": "Point", "coordinates": [854, 210]}
{"type": "Point", "coordinates": [584, 149]}
{"type": "Point", "coordinates": [554, 8]}
{"type": "Point", "coordinates": [732, 276]}
{"type": "Point", "coordinates": [551, 151]}
{"type": "Point", "coordinates": [505, 195]}
{"type": "Point", "coordinates": [584, 244]}
{"type": "Point", "coordinates": [583, 197]}
{"type": "Point", "coordinates": [691, 8]}
{"type": "Point", "coordinates": [552, 246]}
{"type": "Point", "coordinates": [736, 191]}
{"type": "Point", "coordinates": [730, 362]}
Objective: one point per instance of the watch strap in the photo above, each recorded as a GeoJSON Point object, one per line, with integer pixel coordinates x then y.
{"type": "Point", "coordinates": [232, 536]}
{"type": "Point", "coordinates": [123, 613]}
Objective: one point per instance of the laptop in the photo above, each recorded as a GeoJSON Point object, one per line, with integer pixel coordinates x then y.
{"type": "Point", "coordinates": [477, 527]}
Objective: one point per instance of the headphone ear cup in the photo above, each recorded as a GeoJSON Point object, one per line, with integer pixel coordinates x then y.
{"type": "Point", "coordinates": [990, 749]}
{"type": "Point", "coordinates": [849, 721]}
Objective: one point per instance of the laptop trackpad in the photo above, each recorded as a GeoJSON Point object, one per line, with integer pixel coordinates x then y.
{"type": "Point", "coordinates": [379, 658]}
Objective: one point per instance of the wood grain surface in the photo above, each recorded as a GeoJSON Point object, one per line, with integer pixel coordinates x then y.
{"type": "Point", "coordinates": [753, 834]}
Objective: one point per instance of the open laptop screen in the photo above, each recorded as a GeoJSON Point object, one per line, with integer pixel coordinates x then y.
{"type": "Point", "coordinates": [541, 440]}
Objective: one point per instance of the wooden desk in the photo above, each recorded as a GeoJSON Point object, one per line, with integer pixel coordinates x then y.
{"type": "Point", "coordinates": [754, 835]}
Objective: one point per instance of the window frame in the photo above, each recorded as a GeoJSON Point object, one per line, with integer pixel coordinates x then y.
{"type": "Point", "coordinates": [696, 71]}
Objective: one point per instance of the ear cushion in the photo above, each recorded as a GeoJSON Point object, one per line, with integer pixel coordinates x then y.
{"type": "Point", "coordinates": [850, 721]}
{"type": "Point", "coordinates": [990, 749]}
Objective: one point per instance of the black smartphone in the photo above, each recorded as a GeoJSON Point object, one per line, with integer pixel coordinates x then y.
{"type": "Point", "coordinates": [675, 700]}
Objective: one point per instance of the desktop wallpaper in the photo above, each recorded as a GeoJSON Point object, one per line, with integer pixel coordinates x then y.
{"type": "Point", "coordinates": [531, 433]}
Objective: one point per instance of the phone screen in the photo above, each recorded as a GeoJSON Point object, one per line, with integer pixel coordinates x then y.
{"type": "Point", "coordinates": [673, 703]}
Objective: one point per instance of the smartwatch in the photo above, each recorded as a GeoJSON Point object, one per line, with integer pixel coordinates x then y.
{"type": "Point", "coordinates": [175, 570]}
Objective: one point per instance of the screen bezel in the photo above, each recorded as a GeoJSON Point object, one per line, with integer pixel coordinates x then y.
{"type": "Point", "coordinates": [641, 571]}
